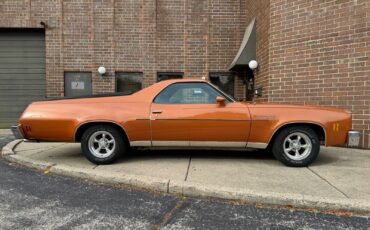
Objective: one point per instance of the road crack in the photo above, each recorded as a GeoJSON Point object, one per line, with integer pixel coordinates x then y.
{"type": "Point", "coordinates": [168, 216]}
{"type": "Point", "coordinates": [187, 171]}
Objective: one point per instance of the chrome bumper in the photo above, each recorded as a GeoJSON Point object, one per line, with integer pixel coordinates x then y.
{"type": "Point", "coordinates": [17, 131]}
{"type": "Point", "coordinates": [353, 139]}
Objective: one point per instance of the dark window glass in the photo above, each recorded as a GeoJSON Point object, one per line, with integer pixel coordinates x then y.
{"type": "Point", "coordinates": [188, 93]}
{"type": "Point", "coordinates": [129, 82]}
{"type": "Point", "coordinates": [77, 84]}
{"type": "Point", "coordinates": [224, 81]}
{"type": "Point", "coordinates": [166, 76]}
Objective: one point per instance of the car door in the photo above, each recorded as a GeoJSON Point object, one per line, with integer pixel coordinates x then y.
{"type": "Point", "coordinates": [186, 114]}
{"type": "Point", "coordinates": [169, 126]}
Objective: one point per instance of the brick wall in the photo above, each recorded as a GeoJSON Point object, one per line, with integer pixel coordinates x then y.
{"type": "Point", "coordinates": [319, 54]}
{"type": "Point", "coordinates": [190, 36]}
{"type": "Point", "coordinates": [261, 11]}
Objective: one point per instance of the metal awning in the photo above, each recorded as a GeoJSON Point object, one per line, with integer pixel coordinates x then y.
{"type": "Point", "coordinates": [247, 50]}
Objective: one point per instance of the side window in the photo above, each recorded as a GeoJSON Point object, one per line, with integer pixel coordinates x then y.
{"type": "Point", "coordinates": [188, 93]}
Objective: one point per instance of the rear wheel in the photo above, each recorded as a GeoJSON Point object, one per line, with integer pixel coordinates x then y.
{"type": "Point", "coordinates": [102, 144]}
{"type": "Point", "coordinates": [296, 146]}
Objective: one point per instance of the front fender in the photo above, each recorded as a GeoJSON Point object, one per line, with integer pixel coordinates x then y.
{"type": "Point", "coordinates": [267, 121]}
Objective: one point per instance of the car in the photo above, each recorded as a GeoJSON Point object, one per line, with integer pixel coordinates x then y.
{"type": "Point", "coordinates": [182, 114]}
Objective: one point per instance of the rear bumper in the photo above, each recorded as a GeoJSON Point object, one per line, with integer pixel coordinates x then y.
{"type": "Point", "coordinates": [17, 132]}
{"type": "Point", "coordinates": [353, 138]}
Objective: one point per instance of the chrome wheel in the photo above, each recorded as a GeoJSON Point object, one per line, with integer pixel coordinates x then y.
{"type": "Point", "coordinates": [297, 146]}
{"type": "Point", "coordinates": [101, 144]}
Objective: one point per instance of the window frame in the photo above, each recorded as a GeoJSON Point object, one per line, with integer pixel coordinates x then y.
{"type": "Point", "coordinates": [228, 99]}
{"type": "Point", "coordinates": [127, 72]}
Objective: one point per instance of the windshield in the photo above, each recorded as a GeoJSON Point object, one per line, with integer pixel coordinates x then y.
{"type": "Point", "coordinates": [223, 93]}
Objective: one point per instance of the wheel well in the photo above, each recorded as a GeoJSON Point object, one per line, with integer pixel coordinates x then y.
{"type": "Point", "coordinates": [319, 130]}
{"type": "Point", "coordinates": [84, 127]}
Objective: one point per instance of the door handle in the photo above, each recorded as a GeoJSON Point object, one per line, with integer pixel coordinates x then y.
{"type": "Point", "coordinates": [156, 111]}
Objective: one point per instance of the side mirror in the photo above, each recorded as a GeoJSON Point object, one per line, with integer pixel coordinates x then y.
{"type": "Point", "coordinates": [220, 100]}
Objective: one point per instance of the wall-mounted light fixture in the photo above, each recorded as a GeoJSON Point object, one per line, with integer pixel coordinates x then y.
{"type": "Point", "coordinates": [43, 24]}
{"type": "Point", "coordinates": [258, 92]}
{"type": "Point", "coordinates": [102, 70]}
{"type": "Point", "coordinates": [253, 64]}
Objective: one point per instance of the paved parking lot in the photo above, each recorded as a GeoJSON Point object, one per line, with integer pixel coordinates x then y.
{"type": "Point", "coordinates": [40, 199]}
{"type": "Point", "coordinates": [5, 137]}
{"type": "Point", "coordinates": [33, 200]}
{"type": "Point", "coordinates": [337, 180]}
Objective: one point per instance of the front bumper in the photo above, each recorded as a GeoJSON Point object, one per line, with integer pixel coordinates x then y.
{"type": "Point", "coordinates": [16, 130]}
{"type": "Point", "coordinates": [353, 138]}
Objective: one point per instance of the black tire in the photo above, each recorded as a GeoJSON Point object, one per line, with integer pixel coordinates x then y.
{"type": "Point", "coordinates": [118, 150]}
{"type": "Point", "coordinates": [286, 158]}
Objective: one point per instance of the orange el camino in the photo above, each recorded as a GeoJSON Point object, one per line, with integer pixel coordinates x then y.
{"type": "Point", "coordinates": [185, 113]}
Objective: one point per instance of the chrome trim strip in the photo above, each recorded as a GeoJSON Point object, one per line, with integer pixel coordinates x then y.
{"type": "Point", "coordinates": [201, 144]}
{"type": "Point", "coordinates": [140, 143]}
{"type": "Point", "coordinates": [170, 143]}
{"type": "Point", "coordinates": [225, 144]}
{"type": "Point", "coordinates": [353, 138]}
{"type": "Point", "coordinates": [197, 119]}
{"type": "Point", "coordinates": [217, 144]}
{"type": "Point", "coordinates": [257, 145]}
{"type": "Point", "coordinates": [16, 130]}
{"type": "Point", "coordinates": [193, 148]}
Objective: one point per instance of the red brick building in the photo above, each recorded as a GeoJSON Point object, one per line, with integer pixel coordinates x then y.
{"type": "Point", "coordinates": [309, 52]}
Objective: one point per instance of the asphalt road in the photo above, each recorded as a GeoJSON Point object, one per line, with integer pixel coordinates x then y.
{"type": "Point", "coordinates": [4, 139]}
{"type": "Point", "coordinates": [33, 200]}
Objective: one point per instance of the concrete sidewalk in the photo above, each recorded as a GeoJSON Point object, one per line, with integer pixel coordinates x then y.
{"type": "Point", "coordinates": [338, 180]}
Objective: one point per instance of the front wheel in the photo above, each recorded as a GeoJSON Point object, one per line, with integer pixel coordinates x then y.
{"type": "Point", "coordinates": [102, 144]}
{"type": "Point", "coordinates": [296, 146]}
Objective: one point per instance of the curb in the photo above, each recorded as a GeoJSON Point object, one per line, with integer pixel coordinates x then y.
{"type": "Point", "coordinates": [185, 188]}
{"type": "Point", "coordinates": [8, 148]}
{"type": "Point", "coordinates": [270, 198]}
{"type": "Point", "coordinates": [156, 184]}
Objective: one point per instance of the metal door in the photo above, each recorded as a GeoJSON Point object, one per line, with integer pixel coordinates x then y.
{"type": "Point", "coordinates": [77, 84]}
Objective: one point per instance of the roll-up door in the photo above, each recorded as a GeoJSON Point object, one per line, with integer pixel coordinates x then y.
{"type": "Point", "coordinates": [22, 71]}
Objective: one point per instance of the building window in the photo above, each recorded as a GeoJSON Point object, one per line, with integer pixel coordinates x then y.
{"type": "Point", "coordinates": [224, 81]}
{"type": "Point", "coordinates": [77, 84]}
{"type": "Point", "coordinates": [166, 76]}
{"type": "Point", "coordinates": [129, 82]}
